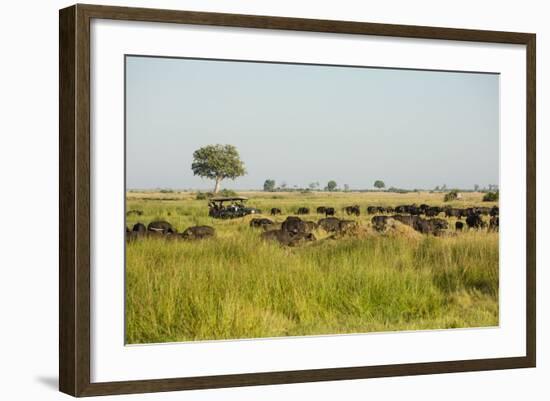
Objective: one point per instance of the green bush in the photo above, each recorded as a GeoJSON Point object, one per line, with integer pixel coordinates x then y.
{"type": "Point", "coordinates": [450, 196]}
{"type": "Point", "coordinates": [207, 195]}
{"type": "Point", "coordinates": [227, 192]}
{"type": "Point", "coordinates": [203, 195]}
{"type": "Point", "coordinates": [490, 197]}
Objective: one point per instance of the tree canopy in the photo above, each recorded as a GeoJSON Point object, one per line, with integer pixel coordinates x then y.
{"type": "Point", "coordinates": [331, 186]}
{"type": "Point", "coordinates": [269, 185]}
{"type": "Point", "coordinates": [379, 184]}
{"type": "Point", "coordinates": [218, 162]}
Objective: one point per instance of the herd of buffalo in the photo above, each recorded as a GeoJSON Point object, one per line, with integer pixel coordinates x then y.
{"type": "Point", "coordinates": [294, 230]}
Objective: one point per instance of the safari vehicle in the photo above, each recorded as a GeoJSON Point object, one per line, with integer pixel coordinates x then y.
{"type": "Point", "coordinates": [230, 208]}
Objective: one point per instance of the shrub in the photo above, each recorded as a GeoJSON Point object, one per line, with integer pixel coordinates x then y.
{"type": "Point", "coordinates": [227, 192]}
{"type": "Point", "coordinates": [166, 191]}
{"type": "Point", "coordinates": [207, 195]}
{"type": "Point", "coordinates": [490, 197]}
{"type": "Point", "coordinates": [203, 195]}
{"type": "Point", "coordinates": [450, 196]}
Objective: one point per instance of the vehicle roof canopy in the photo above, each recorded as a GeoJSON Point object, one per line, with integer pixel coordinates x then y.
{"type": "Point", "coordinates": [231, 198]}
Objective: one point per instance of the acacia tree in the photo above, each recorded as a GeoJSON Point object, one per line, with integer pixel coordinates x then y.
{"type": "Point", "coordinates": [218, 162]}
{"type": "Point", "coordinates": [269, 185]}
{"type": "Point", "coordinates": [331, 186]}
{"type": "Point", "coordinates": [379, 184]}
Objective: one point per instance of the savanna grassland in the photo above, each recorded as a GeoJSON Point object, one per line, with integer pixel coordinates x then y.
{"type": "Point", "coordinates": [238, 286]}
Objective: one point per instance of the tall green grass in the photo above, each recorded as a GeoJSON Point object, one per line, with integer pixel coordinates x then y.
{"type": "Point", "coordinates": [237, 286]}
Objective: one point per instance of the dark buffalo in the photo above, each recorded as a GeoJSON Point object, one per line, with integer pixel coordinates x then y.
{"type": "Point", "coordinates": [493, 223]}
{"type": "Point", "coordinates": [160, 226]}
{"type": "Point", "coordinates": [401, 209]}
{"type": "Point", "coordinates": [432, 211]}
{"type": "Point", "coordinates": [424, 226]}
{"type": "Point", "coordinates": [330, 224]}
{"type": "Point", "coordinates": [414, 210]}
{"type": "Point", "coordinates": [310, 226]}
{"type": "Point", "coordinates": [285, 238]}
{"type": "Point", "coordinates": [453, 212]}
{"type": "Point", "coordinates": [321, 210]}
{"type": "Point", "coordinates": [474, 220]}
{"type": "Point", "coordinates": [134, 211]}
{"type": "Point", "coordinates": [459, 226]}
{"type": "Point", "coordinates": [275, 211]}
{"type": "Point", "coordinates": [494, 211]}
{"type": "Point", "coordinates": [484, 210]}
{"type": "Point", "coordinates": [407, 220]}
{"type": "Point", "coordinates": [303, 210]}
{"type": "Point", "coordinates": [132, 235]}
{"type": "Point", "coordinates": [139, 228]}
{"type": "Point", "coordinates": [372, 209]}
{"type": "Point", "coordinates": [329, 211]}
{"type": "Point", "coordinates": [379, 222]}
{"type": "Point", "coordinates": [430, 226]}
{"type": "Point", "coordinates": [347, 226]}
{"type": "Point", "coordinates": [301, 238]}
{"type": "Point", "coordinates": [198, 232]}
{"type": "Point", "coordinates": [281, 236]}
{"type": "Point", "coordinates": [294, 225]}
{"type": "Point", "coordinates": [440, 224]}
{"type": "Point", "coordinates": [354, 209]}
{"type": "Point", "coordinates": [260, 222]}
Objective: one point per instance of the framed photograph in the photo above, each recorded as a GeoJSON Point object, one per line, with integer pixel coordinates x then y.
{"type": "Point", "coordinates": [249, 200]}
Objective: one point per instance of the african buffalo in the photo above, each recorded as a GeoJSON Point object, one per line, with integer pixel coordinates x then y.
{"type": "Point", "coordinates": [285, 237]}
{"type": "Point", "coordinates": [379, 222]}
{"type": "Point", "coordinates": [354, 209]}
{"type": "Point", "coordinates": [303, 210]}
{"type": "Point", "coordinates": [330, 224]}
{"type": "Point", "coordinates": [198, 232]}
{"type": "Point", "coordinates": [321, 210]}
{"type": "Point", "coordinates": [453, 212]}
{"type": "Point", "coordinates": [440, 224]}
{"type": "Point", "coordinates": [474, 220]}
{"type": "Point", "coordinates": [347, 226]}
{"type": "Point", "coordinates": [275, 211]}
{"type": "Point", "coordinates": [160, 226]}
{"type": "Point", "coordinates": [432, 211]}
{"type": "Point", "coordinates": [139, 228]}
{"type": "Point", "coordinates": [134, 211]}
{"type": "Point", "coordinates": [493, 223]}
{"type": "Point", "coordinates": [407, 220]}
{"type": "Point", "coordinates": [132, 235]}
{"type": "Point", "coordinates": [260, 222]}
{"type": "Point", "coordinates": [372, 209]}
{"type": "Point", "coordinates": [401, 209]}
{"type": "Point", "coordinates": [294, 225]}
{"type": "Point", "coordinates": [459, 226]}
{"type": "Point", "coordinates": [430, 226]}
{"type": "Point", "coordinates": [484, 210]}
{"type": "Point", "coordinates": [329, 211]}
{"type": "Point", "coordinates": [424, 226]}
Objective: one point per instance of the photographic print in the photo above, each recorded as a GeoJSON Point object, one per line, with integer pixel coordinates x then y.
{"type": "Point", "coordinates": [269, 199]}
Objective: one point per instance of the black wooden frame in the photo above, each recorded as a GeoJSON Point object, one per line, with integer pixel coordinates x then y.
{"type": "Point", "coordinates": [74, 199]}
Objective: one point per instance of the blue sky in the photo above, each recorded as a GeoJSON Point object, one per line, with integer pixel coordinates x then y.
{"type": "Point", "coordinates": [305, 123]}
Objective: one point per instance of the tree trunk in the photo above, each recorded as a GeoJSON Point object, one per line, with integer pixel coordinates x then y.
{"type": "Point", "coordinates": [217, 187]}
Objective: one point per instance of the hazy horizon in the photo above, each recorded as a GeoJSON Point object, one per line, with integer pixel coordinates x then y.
{"type": "Point", "coordinates": [300, 124]}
